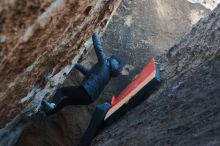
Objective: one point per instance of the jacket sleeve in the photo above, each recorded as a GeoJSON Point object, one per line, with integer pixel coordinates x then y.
{"type": "Point", "coordinates": [82, 69]}
{"type": "Point", "coordinates": [98, 47]}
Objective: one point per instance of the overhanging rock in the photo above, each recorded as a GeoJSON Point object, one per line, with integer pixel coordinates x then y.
{"type": "Point", "coordinates": [40, 44]}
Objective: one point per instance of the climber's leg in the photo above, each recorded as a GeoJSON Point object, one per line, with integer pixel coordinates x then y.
{"type": "Point", "coordinates": [48, 105]}
{"type": "Point", "coordinates": [72, 95]}
{"type": "Point", "coordinates": [57, 108]}
{"type": "Point", "coordinates": [77, 95]}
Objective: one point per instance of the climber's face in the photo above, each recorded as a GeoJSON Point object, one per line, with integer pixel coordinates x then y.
{"type": "Point", "coordinates": [115, 67]}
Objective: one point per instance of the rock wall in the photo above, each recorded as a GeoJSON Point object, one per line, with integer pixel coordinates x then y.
{"type": "Point", "coordinates": [138, 31]}
{"type": "Point", "coordinates": [209, 4]}
{"type": "Point", "coordinates": [49, 33]}
{"type": "Point", "coordinates": [185, 110]}
{"type": "Point", "coordinates": [142, 29]}
{"type": "Point", "coordinates": [40, 41]}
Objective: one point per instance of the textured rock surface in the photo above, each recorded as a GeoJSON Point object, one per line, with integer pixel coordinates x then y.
{"type": "Point", "coordinates": [185, 110]}
{"type": "Point", "coordinates": [40, 41]}
{"type": "Point", "coordinates": [137, 32]}
{"type": "Point", "coordinates": [152, 34]}
{"type": "Point", "coordinates": [209, 4]}
{"type": "Point", "coordinates": [142, 29]}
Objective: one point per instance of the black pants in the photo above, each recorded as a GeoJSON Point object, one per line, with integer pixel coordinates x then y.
{"type": "Point", "coordinates": [72, 95]}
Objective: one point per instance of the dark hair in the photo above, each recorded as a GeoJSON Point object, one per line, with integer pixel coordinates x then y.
{"type": "Point", "coordinates": [115, 67]}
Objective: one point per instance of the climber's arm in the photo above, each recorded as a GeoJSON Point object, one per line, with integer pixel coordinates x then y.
{"type": "Point", "coordinates": [98, 47]}
{"type": "Point", "coordinates": [82, 69]}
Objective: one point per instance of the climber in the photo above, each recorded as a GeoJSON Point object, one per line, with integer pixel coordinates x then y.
{"type": "Point", "coordinates": [92, 85]}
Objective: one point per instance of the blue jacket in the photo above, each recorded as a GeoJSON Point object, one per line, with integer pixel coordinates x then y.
{"type": "Point", "coordinates": [99, 75]}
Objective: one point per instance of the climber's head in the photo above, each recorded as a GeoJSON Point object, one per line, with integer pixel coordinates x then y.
{"type": "Point", "coordinates": [115, 68]}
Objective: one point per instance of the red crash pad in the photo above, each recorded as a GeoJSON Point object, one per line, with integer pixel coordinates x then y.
{"type": "Point", "coordinates": [149, 73]}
